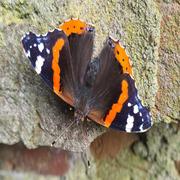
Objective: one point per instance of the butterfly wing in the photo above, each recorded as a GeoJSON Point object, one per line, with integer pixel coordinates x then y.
{"type": "Point", "coordinates": [114, 98]}
{"type": "Point", "coordinates": [80, 36]}
{"type": "Point", "coordinates": [46, 54]}
{"type": "Point", "coordinates": [61, 57]}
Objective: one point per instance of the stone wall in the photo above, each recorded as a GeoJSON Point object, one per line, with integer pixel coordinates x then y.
{"type": "Point", "coordinates": [149, 30]}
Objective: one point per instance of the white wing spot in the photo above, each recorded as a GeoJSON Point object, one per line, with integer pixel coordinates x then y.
{"type": "Point", "coordinates": [141, 128]}
{"type": "Point", "coordinates": [30, 46]}
{"type": "Point", "coordinates": [28, 54]}
{"type": "Point", "coordinates": [130, 123]}
{"type": "Point", "coordinates": [41, 47]}
{"type": "Point", "coordinates": [35, 45]}
{"type": "Point", "coordinates": [129, 104]}
{"type": "Point", "coordinates": [135, 109]}
{"type": "Point", "coordinates": [39, 63]}
{"type": "Point", "coordinates": [48, 51]}
{"type": "Point", "coordinates": [140, 114]}
{"type": "Point", "coordinates": [23, 37]}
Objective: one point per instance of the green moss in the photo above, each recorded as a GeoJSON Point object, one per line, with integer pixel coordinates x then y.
{"type": "Point", "coordinates": [125, 165]}
{"type": "Point", "coordinates": [151, 159]}
{"type": "Point", "coordinates": [15, 12]}
{"type": "Point", "coordinates": [9, 17]}
{"type": "Point", "coordinates": [1, 39]}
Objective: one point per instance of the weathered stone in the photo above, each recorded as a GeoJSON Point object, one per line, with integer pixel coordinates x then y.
{"type": "Point", "coordinates": [156, 160]}
{"type": "Point", "coordinates": [168, 96]}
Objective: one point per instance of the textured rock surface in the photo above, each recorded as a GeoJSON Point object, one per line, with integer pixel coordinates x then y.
{"type": "Point", "coordinates": [149, 29]}
{"type": "Point", "coordinates": [153, 157]}
{"type": "Point", "coordinates": [168, 96]}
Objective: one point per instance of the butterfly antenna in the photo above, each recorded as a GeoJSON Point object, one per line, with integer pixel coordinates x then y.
{"type": "Point", "coordinates": [67, 128]}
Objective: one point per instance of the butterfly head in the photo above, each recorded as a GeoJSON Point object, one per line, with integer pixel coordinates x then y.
{"type": "Point", "coordinates": [79, 115]}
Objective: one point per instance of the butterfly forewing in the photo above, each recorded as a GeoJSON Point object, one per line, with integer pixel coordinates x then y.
{"type": "Point", "coordinates": [45, 53]}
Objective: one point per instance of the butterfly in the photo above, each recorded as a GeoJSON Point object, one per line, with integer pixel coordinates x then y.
{"type": "Point", "coordinates": [104, 93]}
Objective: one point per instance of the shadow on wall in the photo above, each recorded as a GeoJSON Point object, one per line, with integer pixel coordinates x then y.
{"type": "Point", "coordinates": [111, 143]}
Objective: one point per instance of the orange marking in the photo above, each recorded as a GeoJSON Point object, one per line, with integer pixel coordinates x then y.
{"type": "Point", "coordinates": [122, 58]}
{"type": "Point", "coordinates": [117, 106]}
{"type": "Point", "coordinates": [73, 26]}
{"type": "Point", "coordinates": [55, 65]}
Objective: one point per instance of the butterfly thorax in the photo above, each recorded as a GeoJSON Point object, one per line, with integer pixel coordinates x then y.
{"type": "Point", "coordinates": [82, 107]}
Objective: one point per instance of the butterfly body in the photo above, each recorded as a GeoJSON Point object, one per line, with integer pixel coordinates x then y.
{"type": "Point", "coordinates": [102, 90]}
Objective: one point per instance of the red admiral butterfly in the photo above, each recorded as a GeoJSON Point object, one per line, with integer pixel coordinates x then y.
{"type": "Point", "coordinates": [63, 59]}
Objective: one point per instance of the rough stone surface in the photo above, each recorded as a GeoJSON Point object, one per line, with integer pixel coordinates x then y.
{"type": "Point", "coordinates": [149, 30]}
{"type": "Point", "coordinates": [168, 96]}
{"type": "Point", "coordinates": [153, 157]}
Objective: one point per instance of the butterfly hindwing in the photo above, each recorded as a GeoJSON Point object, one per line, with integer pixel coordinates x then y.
{"type": "Point", "coordinates": [105, 88]}
{"type": "Point", "coordinates": [133, 117]}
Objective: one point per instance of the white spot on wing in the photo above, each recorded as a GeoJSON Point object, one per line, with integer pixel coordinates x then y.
{"type": "Point", "coordinates": [30, 46]}
{"type": "Point", "coordinates": [28, 54]}
{"type": "Point", "coordinates": [135, 109]}
{"type": "Point", "coordinates": [140, 114]}
{"type": "Point", "coordinates": [39, 63]}
{"type": "Point", "coordinates": [23, 37]}
{"type": "Point", "coordinates": [35, 45]}
{"type": "Point", "coordinates": [129, 104]}
{"type": "Point", "coordinates": [41, 47]}
{"type": "Point", "coordinates": [48, 51]}
{"type": "Point", "coordinates": [141, 128]}
{"type": "Point", "coordinates": [130, 123]}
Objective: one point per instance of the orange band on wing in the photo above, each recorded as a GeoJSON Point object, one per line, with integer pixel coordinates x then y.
{"type": "Point", "coordinates": [73, 26]}
{"type": "Point", "coordinates": [122, 58]}
{"type": "Point", "coordinates": [55, 65]}
{"type": "Point", "coordinates": [117, 106]}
